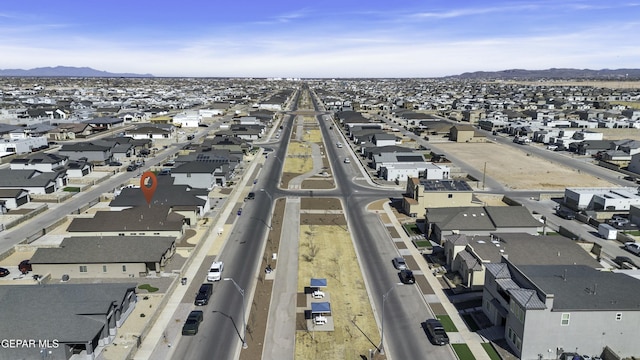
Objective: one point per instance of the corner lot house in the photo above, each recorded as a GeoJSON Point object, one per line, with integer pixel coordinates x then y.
{"type": "Point", "coordinates": [546, 309]}
{"type": "Point", "coordinates": [80, 318]}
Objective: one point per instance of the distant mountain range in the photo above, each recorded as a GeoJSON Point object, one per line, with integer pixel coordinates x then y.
{"type": "Point", "coordinates": [66, 71]}
{"type": "Point", "coordinates": [559, 74]}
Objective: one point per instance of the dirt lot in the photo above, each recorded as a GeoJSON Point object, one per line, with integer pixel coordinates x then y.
{"type": "Point", "coordinates": [324, 250]}
{"type": "Point", "coordinates": [519, 170]}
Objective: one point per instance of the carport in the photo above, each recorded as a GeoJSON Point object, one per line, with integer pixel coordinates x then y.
{"type": "Point", "coordinates": [320, 308]}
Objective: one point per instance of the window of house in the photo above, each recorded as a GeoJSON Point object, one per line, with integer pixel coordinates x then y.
{"type": "Point", "coordinates": [104, 268]}
{"type": "Point", "coordinates": [618, 316]}
{"type": "Point", "coordinates": [83, 268]}
{"type": "Point", "coordinates": [450, 196]}
{"type": "Point", "coordinates": [120, 234]}
{"type": "Point", "coordinates": [124, 268]}
{"type": "Point", "coordinates": [188, 174]}
{"type": "Point", "coordinates": [565, 319]}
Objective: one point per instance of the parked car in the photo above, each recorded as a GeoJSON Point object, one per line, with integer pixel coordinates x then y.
{"type": "Point", "coordinates": [239, 211]}
{"type": "Point", "coordinates": [4, 272]}
{"type": "Point", "coordinates": [406, 276]}
{"type": "Point", "coordinates": [437, 334]}
{"type": "Point", "coordinates": [24, 266]}
{"type": "Point", "coordinates": [399, 263]}
{"type": "Point", "coordinates": [190, 137]}
{"type": "Point", "coordinates": [192, 324]}
{"type": "Point", "coordinates": [132, 167]}
{"type": "Point", "coordinates": [215, 271]}
{"type": "Point", "coordinates": [624, 262]}
{"type": "Point", "coordinates": [203, 295]}
{"type": "Point", "coordinates": [115, 163]}
{"type": "Point", "coordinates": [632, 247]}
{"type": "Point", "coordinates": [251, 196]}
{"type": "Point", "coordinates": [565, 214]}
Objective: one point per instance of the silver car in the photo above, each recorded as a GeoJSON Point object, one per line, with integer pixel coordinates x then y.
{"type": "Point", "coordinates": [632, 247]}
{"type": "Point", "coordinates": [399, 263]}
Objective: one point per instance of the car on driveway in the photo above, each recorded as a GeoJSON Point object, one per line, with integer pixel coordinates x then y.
{"type": "Point", "coordinates": [215, 271]}
{"type": "Point", "coordinates": [192, 324]}
{"type": "Point", "coordinates": [4, 272]}
{"type": "Point", "coordinates": [399, 263]}
{"type": "Point", "coordinates": [406, 276]}
{"type": "Point", "coordinates": [437, 334]}
{"type": "Point", "coordinates": [632, 247]}
{"type": "Point", "coordinates": [624, 262]}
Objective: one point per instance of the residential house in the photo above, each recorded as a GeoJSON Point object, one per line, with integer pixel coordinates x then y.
{"type": "Point", "coordinates": [22, 145]}
{"type": "Point", "coordinates": [66, 321]}
{"type": "Point", "coordinates": [462, 133]}
{"type": "Point", "coordinates": [12, 199]}
{"type": "Point", "coordinates": [104, 257]}
{"type": "Point", "coordinates": [202, 174]}
{"type": "Point", "coordinates": [181, 199]}
{"type": "Point", "coordinates": [157, 220]}
{"type": "Point", "coordinates": [149, 132]}
{"type": "Point", "coordinates": [33, 181]}
{"type": "Point", "coordinates": [423, 193]}
{"type": "Point", "coordinates": [91, 151]}
{"type": "Point", "coordinates": [43, 162]}
{"type": "Point", "coordinates": [467, 255]}
{"type": "Point", "coordinates": [187, 119]}
{"type": "Point", "coordinates": [549, 309]}
{"type": "Point", "coordinates": [101, 124]}
{"type": "Point", "coordinates": [479, 221]}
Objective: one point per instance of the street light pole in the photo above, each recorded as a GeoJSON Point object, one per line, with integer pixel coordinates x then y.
{"type": "Point", "coordinates": [244, 321]}
{"type": "Point", "coordinates": [384, 299]}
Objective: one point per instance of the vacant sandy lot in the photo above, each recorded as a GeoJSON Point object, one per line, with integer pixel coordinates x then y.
{"type": "Point", "coordinates": [517, 170]}
{"type": "Point", "coordinates": [324, 251]}
{"type": "Point", "coordinates": [298, 158]}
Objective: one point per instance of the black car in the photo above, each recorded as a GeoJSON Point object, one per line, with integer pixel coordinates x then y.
{"type": "Point", "coordinates": [251, 196]}
{"type": "Point", "coordinates": [115, 163]}
{"type": "Point", "coordinates": [437, 334]}
{"type": "Point", "coordinates": [624, 262]}
{"type": "Point", "coordinates": [132, 167]}
{"type": "Point", "coordinates": [203, 295]}
{"type": "Point", "coordinates": [24, 266]}
{"type": "Point", "coordinates": [192, 324]}
{"type": "Point", "coordinates": [406, 276]}
{"type": "Point", "coordinates": [4, 272]}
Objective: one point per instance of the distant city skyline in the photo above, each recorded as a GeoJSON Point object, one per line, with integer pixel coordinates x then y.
{"type": "Point", "coordinates": [322, 39]}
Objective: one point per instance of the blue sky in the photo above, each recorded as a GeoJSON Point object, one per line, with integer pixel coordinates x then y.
{"type": "Point", "coordinates": [410, 38]}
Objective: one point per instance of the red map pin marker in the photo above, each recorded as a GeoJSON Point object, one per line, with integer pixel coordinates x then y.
{"type": "Point", "coordinates": [148, 189]}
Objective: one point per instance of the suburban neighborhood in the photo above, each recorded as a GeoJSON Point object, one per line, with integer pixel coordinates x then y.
{"type": "Point", "coordinates": [513, 207]}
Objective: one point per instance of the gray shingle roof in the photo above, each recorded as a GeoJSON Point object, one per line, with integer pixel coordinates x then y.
{"type": "Point", "coordinates": [105, 249]}
{"type": "Point", "coordinates": [166, 194]}
{"type": "Point", "coordinates": [144, 218]}
{"type": "Point", "coordinates": [579, 287]}
{"type": "Point", "coordinates": [54, 311]}
{"type": "Point", "coordinates": [25, 178]}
